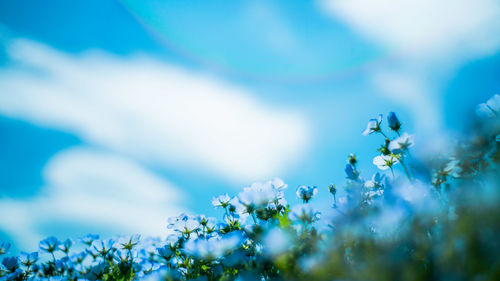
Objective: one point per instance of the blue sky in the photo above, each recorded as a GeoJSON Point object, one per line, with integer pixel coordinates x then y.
{"type": "Point", "coordinates": [115, 115]}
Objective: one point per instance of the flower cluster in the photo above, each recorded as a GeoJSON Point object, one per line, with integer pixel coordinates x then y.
{"type": "Point", "coordinates": [431, 222]}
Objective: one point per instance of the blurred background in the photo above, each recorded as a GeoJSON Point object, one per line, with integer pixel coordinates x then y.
{"type": "Point", "coordinates": [115, 115]}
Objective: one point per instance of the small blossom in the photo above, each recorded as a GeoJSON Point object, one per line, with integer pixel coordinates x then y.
{"type": "Point", "coordinates": [393, 122]}
{"type": "Point", "coordinates": [78, 257]}
{"type": "Point", "coordinates": [351, 159]}
{"type": "Point", "coordinates": [49, 244]}
{"type": "Point", "coordinates": [351, 172]}
{"type": "Point", "coordinates": [103, 247]}
{"type": "Point", "coordinates": [11, 263]}
{"type": "Point", "coordinates": [65, 246]}
{"type": "Point", "coordinates": [401, 144]}
{"type": "Point", "coordinates": [373, 126]}
{"type": "Point", "coordinates": [4, 247]}
{"type": "Point", "coordinates": [89, 238]}
{"type": "Point", "coordinates": [304, 213]}
{"type": "Point", "coordinates": [306, 193]}
{"type": "Point", "coordinates": [332, 189]}
{"type": "Point", "coordinates": [257, 195]}
{"type": "Point", "coordinates": [221, 201]}
{"type": "Point", "coordinates": [127, 243]}
{"type": "Point", "coordinates": [384, 162]}
{"type": "Point", "coordinates": [279, 184]}
{"type": "Point", "coordinates": [28, 259]}
{"type": "Point", "coordinates": [375, 182]}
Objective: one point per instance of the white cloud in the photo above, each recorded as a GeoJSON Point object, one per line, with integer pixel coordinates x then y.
{"type": "Point", "coordinates": [152, 111]}
{"type": "Point", "coordinates": [424, 27]}
{"type": "Point", "coordinates": [428, 39]}
{"type": "Point", "coordinates": [89, 187]}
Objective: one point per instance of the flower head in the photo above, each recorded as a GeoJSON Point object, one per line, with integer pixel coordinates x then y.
{"type": "Point", "coordinates": [221, 201]}
{"type": "Point", "coordinates": [384, 162]}
{"type": "Point", "coordinates": [332, 189]}
{"type": "Point", "coordinates": [306, 192]}
{"type": "Point", "coordinates": [89, 238]}
{"type": "Point", "coordinates": [373, 125]}
{"type": "Point", "coordinates": [351, 159]}
{"type": "Point", "coordinates": [49, 244]}
{"type": "Point", "coordinates": [103, 247]}
{"type": "Point", "coordinates": [128, 243]}
{"type": "Point", "coordinates": [376, 181]}
{"type": "Point", "coordinates": [393, 122]}
{"type": "Point", "coordinates": [351, 172]}
{"type": "Point", "coordinates": [66, 245]}
{"type": "Point", "coordinates": [28, 259]}
{"type": "Point", "coordinates": [4, 247]}
{"type": "Point", "coordinates": [304, 213]}
{"type": "Point", "coordinates": [11, 263]}
{"type": "Point", "coordinates": [257, 195]}
{"type": "Point", "coordinates": [401, 144]}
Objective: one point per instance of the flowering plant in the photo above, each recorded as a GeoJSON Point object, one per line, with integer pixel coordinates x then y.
{"type": "Point", "coordinates": [437, 219]}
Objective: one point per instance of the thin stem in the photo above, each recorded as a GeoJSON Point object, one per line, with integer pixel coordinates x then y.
{"type": "Point", "coordinates": [380, 130]}
{"type": "Point", "coordinates": [406, 169]}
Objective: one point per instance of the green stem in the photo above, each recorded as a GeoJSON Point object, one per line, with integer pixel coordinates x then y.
{"type": "Point", "coordinates": [380, 130]}
{"type": "Point", "coordinates": [406, 169]}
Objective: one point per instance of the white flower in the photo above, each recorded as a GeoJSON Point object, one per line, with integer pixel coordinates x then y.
{"type": "Point", "coordinates": [373, 125]}
{"type": "Point", "coordinates": [221, 200]}
{"type": "Point", "coordinates": [261, 194]}
{"type": "Point", "coordinates": [305, 192]}
{"type": "Point", "coordinates": [375, 182]}
{"type": "Point", "coordinates": [402, 143]}
{"type": "Point", "coordinates": [304, 213]}
{"type": "Point", "coordinates": [384, 162]}
{"type": "Point", "coordinates": [279, 184]}
{"type": "Point", "coordinates": [213, 247]}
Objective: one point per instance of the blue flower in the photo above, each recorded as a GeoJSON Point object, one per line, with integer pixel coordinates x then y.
{"type": "Point", "coordinates": [10, 263]}
{"type": "Point", "coordinates": [373, 126]}
{"type": "Point", "coordinates": [65, 246]}
{"type": "Point", "coordinates": [97, 271]}
{"type": "Point", "coordinates": [49, 244]}
{"type": "Point", "coordinates": [78, 257]}
{"type": "Point", "coordinates": [165, 252]}
{"type": "Point", "coordinates": [376, 181]}
{"type": "Point", "coordinates": [103, 247]}
{"type": "Point", "coordinates": [332, 189]}
{"type": "Point", "coordinates": [306, 192]}
{"type": "Point", "coordinates": [89, 238]}
{"type": "Point", "coordinates": [28, 259]}
{"type": "Point", "coordinates": [123, 256]}
{"type": "Point", "coordinates": [130, 242]}
{"type": "Point", "coordinates": [393, 122]}
{"type": "Point", "coordinates": [4, 247]}
{"type": "Point", "coordinates": [351, 172]}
